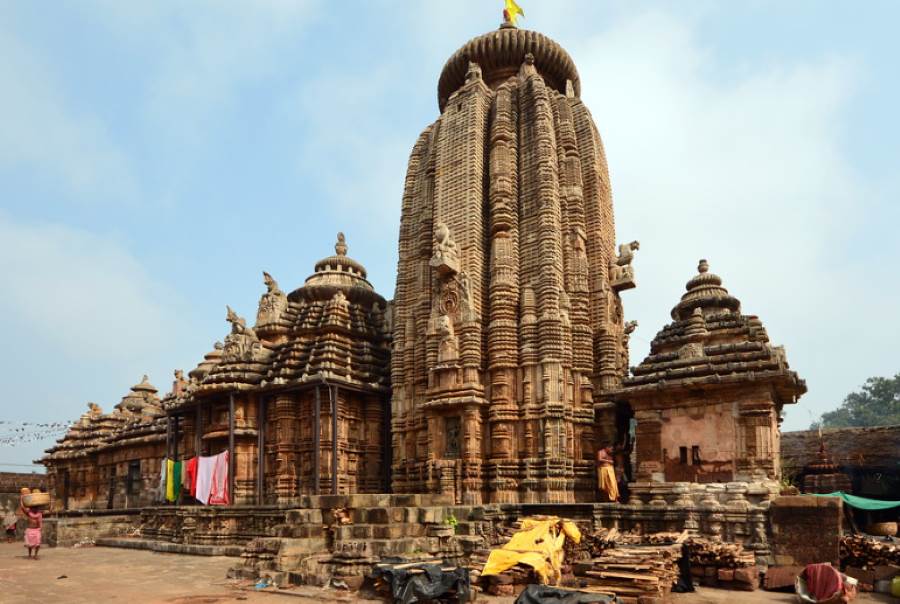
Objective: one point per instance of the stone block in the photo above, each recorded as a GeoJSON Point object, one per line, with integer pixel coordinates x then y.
{"type": "Point", "coordinates": [748, 576]}
{"type": "Point", "coordinates": [862, 575]}
{"type": "Point", "coordinates": [778, 577]}
{"type": "Point", "coordinates": [795, 501]}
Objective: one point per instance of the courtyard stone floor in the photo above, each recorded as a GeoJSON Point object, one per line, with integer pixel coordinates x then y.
{"type": "Point", "coordinates": [101, 574]}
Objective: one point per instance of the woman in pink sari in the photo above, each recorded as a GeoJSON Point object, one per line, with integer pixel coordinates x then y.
{"type": "Point", "coordinates": [33, 532]}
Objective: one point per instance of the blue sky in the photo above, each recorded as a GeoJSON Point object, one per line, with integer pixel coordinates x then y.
{"type": "Point", "coordinates": [156, 157]}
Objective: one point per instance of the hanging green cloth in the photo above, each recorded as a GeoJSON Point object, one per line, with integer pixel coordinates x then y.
{"type": "Point", "coordinates": [176, 476]}
{"type": "Point", "coordinates": [862, 503]}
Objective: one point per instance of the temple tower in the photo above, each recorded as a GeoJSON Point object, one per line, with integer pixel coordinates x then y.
{"type": "Point", "coordinates": [508, 322]}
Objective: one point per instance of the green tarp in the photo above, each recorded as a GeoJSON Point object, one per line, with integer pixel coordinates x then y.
{"type": "Point", "coordinates": [863, 503]}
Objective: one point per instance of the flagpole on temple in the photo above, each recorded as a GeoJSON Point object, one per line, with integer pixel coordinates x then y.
{"type": "Point", "coordinates": [512, 12]}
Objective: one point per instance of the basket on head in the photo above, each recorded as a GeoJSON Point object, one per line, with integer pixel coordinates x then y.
{"type": "Point", "coordinates": [36, 499]}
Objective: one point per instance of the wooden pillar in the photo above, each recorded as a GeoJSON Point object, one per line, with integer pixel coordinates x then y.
{"type": "Point", "coordinates": [197, 430]}
{"type": "Point", "coordinates": [231, 447]}
{"type": "Point", "coordinates": [168, 436]}
{"type": "Point", "coordinates": [317, 443]}
{"type": "Point", "coordinates": [175, 440]}
{"type": "Point", "coordinates": [334, 441]}
{"type": "Point", "coordinates": [168, 454]}
{"type": "Point", "coordinates": [262, 405]}
{"type": "Point", "coordinates": [175, 454]}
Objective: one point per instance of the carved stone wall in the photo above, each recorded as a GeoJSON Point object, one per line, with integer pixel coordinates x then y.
{"type": "Point", "coordinates": [111, 460]}
{"type": "Point", "coordinates": [506, 323]}
{"type": "Point", "coordinates": [329, 337]}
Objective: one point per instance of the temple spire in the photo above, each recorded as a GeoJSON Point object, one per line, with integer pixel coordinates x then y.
{"type": "Point", "coordinates": [340, 247]}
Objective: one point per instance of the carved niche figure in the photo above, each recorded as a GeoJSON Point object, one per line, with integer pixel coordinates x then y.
{"type": "Point", "coordinates": [621, 273]}
{"type": "Point", "coordinates": [565, 306]}
{"type": "Point", "coordinates": [623, 360]}
{"type": "Point", "coordinates": [527, 69]}
{"type": "Point", "coordinates": [272, 303]}
{"type": "Point", "coordinates": [474, 72]}
{"type": "Point", "coordinates": [445, 259]}
{"type": "Point", "coordinates": [453, 447]}
{"type": "Point", "coordinates": [448, 349]}
{"type": "Point", "coordinates": [580, 271]}
{"type": "Point", "coordinates": [466, 309]}
{"type": "Point", "coordinates": [339, 300]}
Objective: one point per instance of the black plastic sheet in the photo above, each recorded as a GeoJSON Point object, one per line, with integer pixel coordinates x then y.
{"type": "Point", "coordinates": [544, 594]}
{"type": "Point", "coordinates": [408, 587]}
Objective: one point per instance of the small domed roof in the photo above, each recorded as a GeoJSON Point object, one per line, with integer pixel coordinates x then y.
{"type": "Point", "coordinates": [704, 290]}
{"type": "Point", "coordinates": [500, 53]}
{"type": "Point", "coordinates": [340, 269]}
{"type": "Point", "coordinates": [144, 386]}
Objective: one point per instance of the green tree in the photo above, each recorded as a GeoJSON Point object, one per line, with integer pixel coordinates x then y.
{"type": "Point", "coordinates": [877, 404]}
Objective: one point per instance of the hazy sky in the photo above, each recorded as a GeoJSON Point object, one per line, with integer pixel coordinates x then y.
{"type": "Point", "coordinates": [155, 157]}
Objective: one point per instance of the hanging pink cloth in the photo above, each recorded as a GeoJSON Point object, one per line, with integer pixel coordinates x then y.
{"type": "Point", "coordinates": [205, 468]}
{"type": "Point", "coordinates": [218, 493]}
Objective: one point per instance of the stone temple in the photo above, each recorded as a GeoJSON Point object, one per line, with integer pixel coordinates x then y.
{"type": "Point", "coordinates": [508, 323]}
{"type": "Point", "coordinates": [484, 387]}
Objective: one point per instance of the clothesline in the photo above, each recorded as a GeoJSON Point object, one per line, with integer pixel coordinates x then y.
{"type": "Point", "coordinates": [205, 478]}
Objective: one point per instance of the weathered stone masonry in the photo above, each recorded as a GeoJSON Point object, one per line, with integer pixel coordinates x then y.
{"type": "Point", "coordinates": [507, 323]}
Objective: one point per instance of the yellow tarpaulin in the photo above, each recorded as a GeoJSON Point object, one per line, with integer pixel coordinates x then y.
{"type": "Point", "coordinates": [538, 544]}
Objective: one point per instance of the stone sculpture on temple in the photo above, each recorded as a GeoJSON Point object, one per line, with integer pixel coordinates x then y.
{"type": "Point", "coordinates": [621, 273]}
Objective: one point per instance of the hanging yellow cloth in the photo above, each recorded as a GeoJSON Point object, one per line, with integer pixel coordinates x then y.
{"type": "Point", "coordinates": [170, 480]}
{"type": "Point", "coordinates": [512, 12]}
{"type": "Point", "coordinates": [606, 478]}
{"type": "Point", "coordinates": [539, 544]}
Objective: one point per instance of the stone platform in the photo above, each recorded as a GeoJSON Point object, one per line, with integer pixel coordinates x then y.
{"type": "Point", "coordinates": [318, 539]}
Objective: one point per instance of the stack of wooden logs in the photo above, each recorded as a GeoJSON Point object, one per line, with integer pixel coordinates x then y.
{"type": "Point", "coordinates": [866, 552]}
{"type": "Point", "coordinates": [633, 573]}
{"type": "Point", "coordinates": [724, 565]}
{"type": "Point", "coordinates": [720, 555]}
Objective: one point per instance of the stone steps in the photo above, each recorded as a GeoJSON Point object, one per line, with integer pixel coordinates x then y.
{"type": "Point", "coordinates": [171, 548]}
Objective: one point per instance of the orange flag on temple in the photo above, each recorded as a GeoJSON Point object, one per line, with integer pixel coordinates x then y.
{"type": "Point", "coordinates": [512, 11]}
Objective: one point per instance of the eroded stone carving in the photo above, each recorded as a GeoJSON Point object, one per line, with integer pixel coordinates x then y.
{"type": "Point", "coordinates": [445, 259]}
{"type": "Point", "coordinates": [272, 303]}
{"type": "Point", "coordinates": [621, 273]}
{"type": "Point", "coordinates": [242, 344]}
